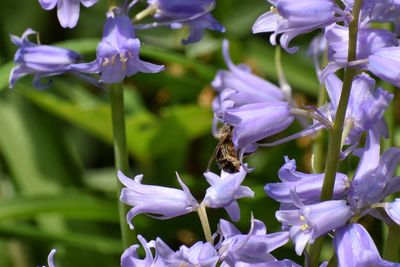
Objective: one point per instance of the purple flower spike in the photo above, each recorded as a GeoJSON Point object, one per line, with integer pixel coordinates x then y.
{"type": "Point", "coordinates": [292, 18]}
{"type": "Point", "coordinates": [67, 10]}
{"type": "Point", "coordinates": [307, 186]}
{"type": "Point", "coordinates": [355, 248]}
{"type": "Point", "coordinates": [224, 191]}
{"type": "Point", "coordinates": [311, 221]}
{"type": "Point", "coordinates": [118, 52]}
{"type": "Point", "coordinates": [200, 254]}
{"type": "Point", "coordinates": [169, 203]}
{"type": "Point", "coordinates": [40, 60]}
{"type": "Point", "coordinates": [385, 63]}
{"type": "Point", "coordinates": [253, 248]}
{"type": "Point", "coordinates": [194, 13]}
{"type": "Point", "coordinates": [393, 210]}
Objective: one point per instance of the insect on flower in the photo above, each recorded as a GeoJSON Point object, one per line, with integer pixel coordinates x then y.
{"type": "Point", "coordinates": [225, 153]}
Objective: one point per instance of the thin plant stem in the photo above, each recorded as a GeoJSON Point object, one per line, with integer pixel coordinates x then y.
{"type": "Point", "coordinates": [120, 154]}
{"type": "Point", "coordinates": [201, 211]}
{"type": "Point", "coordinates": [335, 134]}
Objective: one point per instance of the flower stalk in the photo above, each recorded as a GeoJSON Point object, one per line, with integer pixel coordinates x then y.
{"type": "Point", "coordinates": [335, 134]}
{"type": "Point", "coordinates": [120, 154]}
{"type": "Point", "coordinates": [204, 223]}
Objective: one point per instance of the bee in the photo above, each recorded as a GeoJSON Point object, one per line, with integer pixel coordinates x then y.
{"type": "Point", "coordinates": [225, 153]}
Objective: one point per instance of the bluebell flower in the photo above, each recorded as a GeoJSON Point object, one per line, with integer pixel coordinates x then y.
{"type": "Point", "coordinates": [39, 60]}
{"type": "Point", "coordinates": [292, 18]}
{"type": "Point", "coordinates": [241, 86]}
{"type": "Point", "coordinates": [169, 203]}
{"type": "Point", "coordinates": [224, 191]}
{"type": "Point", "coordinates": [369, 41]}
{"type": "Point", "coordinates": [118, 52]}
{"type": "Point", "coordinates": [254, 107]}
{"type": "Point", "coordinates": [355, 248]}
{"type": "Point", "coordinates": [378, 11]}
{"type": "Point", "coordinates": [308, 222]}
{"type": "Point", "coordinates": [67, 10]}
{"type": "Point", "coordinates": [385, 63]}
{"type": "Point", "coordinates": [50, 258]}
{"type": "Point", "coordinates": [194, 13]}
{"type": "Point", "coordinates": [307, 186]}
{"type": "Point", "coordinates": [237, 249]}
{"type": "Point", "coordinates": [393, 210]}
{"type": "Point", "coordinates": [374, 178]}
{"type": "Point", "coordinates": [200, 254]}
{"type": "Point", "coordinates": [130, 256]}
{"type": "Point", "coordinates": [364, 112]}
{"type": "Point", "coordinates": [254, 122]}
{"type": "Point", "coordinates": [366, 107]}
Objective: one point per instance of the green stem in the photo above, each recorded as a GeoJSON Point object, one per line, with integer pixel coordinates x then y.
{"type": "Point", "coordinates": [392, 246]}
{"type": "Point", "coordinates": [335, 137]}
{"type": "Point", "coordinates": [120, 154]}
{"type": "Point", "coordinates": [201, 211]}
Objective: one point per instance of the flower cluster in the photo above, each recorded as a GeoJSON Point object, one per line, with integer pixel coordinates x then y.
{"type": "Point", "coordinates": [312, 205]}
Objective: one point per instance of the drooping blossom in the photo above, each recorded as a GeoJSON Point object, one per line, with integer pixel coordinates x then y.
{"type": "Point", "coordinates": [168, 203]}
{"type": "Point", "coordinates": [224, 191]}
{"type": "Point", "coordinates": [67, 10]}
{"type": "Point", "coordinates": [292, 18]}
{"type": "Point", "coordinates": [364, 112]}
{"type": "Point", "coordinates": [130, 257]}
{"type": "Point", "coordinates": [118, 52]}
{"type": "Point", "coordinates": [385, 63]}
{"type": "Point", "coordinates": [307, 186]}
{"type": "Point", "coordinates": [243, 102]}
{"type": "Point", "coordinates": [369, 41]}
{"type": "Point", "coordinates": [378, 11]}
{"type": "Point", "coordinates": [365, 109]}
{"type": "Point", "coordinates": [355, 248]}
{"type": "Point", "coordinates": [39, 60]}
{"type": "Point", "coordinates": [50, 259]}
{"type": "Point", "coordinates": [199, 254]}
{"type": "Point", "coordinates": [237, 249]}
{"type": "Point", "coordinates": [393, 210]}
{"type": "Point", "coordinates": [308, 222]}
{"type": "Point", "coordinates": [374, 178]}
{"type": "Point", "coordinates": [194, 13]}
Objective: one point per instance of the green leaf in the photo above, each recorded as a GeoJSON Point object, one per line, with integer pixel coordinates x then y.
{"type": "Point", "coordinates": [72, 205]}
{"type": "Point", "coordinates": [80, 240]}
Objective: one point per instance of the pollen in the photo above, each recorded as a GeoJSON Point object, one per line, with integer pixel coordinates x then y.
{"type": "Point", "coordinates": [273, 9]}
{"type": "Point", "coordinates": [113, 59]}
{"type": "Point", "coordinates": [106, 62]}
{"type": "Point", "coordinates": [304, 227]}
{"type": "Point", "coordinates": [123, 60]}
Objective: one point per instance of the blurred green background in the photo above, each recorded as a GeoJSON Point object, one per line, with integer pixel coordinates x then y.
{"type": "Point", "coordinates": [57, 180]}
